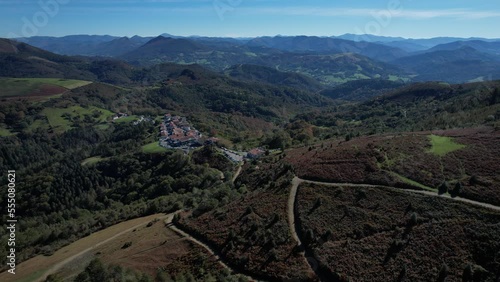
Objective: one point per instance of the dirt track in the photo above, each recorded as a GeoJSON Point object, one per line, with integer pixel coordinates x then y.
{"type": "Point", "coordinates": [298, 181]}
{"type": "Point", "coordinates": [236, 174]}
{"type": "Point", "coordinates": [169, 223]}
{"type": "Point", "coordinates": [59, 265]}
{"type": "Point", "coordinates": [51, 264]}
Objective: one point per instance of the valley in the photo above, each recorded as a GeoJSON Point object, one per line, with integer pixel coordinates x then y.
{"type": "Point", "coordinates": [274, 158]}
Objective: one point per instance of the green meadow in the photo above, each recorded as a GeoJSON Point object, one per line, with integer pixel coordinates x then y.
{"type": "Point", "coordinates": [442, 145]}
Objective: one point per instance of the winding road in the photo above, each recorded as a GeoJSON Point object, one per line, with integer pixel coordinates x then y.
{"type": "Point", "coordinates": [142, 222]}
{"type": "Point", "coordinates": [169, 223]}
{"type": "Point", "coordinates": [291, 208]}
{"type": "Point", "coordinates": [297, 181]}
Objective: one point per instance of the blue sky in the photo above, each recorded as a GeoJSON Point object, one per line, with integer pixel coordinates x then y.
{"type": "Point", "coordinates": [249, 18]}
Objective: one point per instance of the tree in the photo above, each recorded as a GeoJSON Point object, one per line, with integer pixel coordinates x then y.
{"type": "Point", "coordinates": [443, 188]}
{"type": "Point", "coordinates": [82, 277]}
{"type": "Point", "coordinates": [96, 271]}
{"type": "Point", "coordinates": [327, 235]}
{"type": "Point", "coordinates": [473, 180]}
{"type": "Point", "coordinates": [53, 278]}
{"type": "Point", "coordinates": [495, 97]}
{"type": "Point", "coordinates": [457, 190]}
{"type": "Point", "coordinates": [468, 273]}
{"type": "Point", "coordinates": [413, 219]}
{"type": "Point", "coordinates": [402, 274]}
{"type": "Point", "coordinates": [279, 140]}
{"type": "Point", "coordinates": [443, 273]}
{"type": "Point", "coordinates": [348, 137]}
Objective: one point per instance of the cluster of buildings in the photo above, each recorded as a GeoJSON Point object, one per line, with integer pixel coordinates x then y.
{"type": "Point", "coordinates": [142, 119]}
{"type": "Point", "coordinates": [139, 120]}
{"type": "Point", "coordinates": [120, 115]}
{"type": "Point", "coordinates": [176, 132]}
{"type": "Point", "coordinates": [238, 157]}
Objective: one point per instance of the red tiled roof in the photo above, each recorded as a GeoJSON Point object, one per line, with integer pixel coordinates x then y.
{"type": "Point", "coordinates": [256, 152]}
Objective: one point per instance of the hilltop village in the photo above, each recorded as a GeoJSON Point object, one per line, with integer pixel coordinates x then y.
{"type": "Point", "coordinates": [177, 133]}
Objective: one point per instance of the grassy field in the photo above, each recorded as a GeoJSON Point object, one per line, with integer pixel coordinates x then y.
{"type": "Point", "coordinates": [442, 145]}
{"type": "Point", "coordinates": [152, 148]}
{"type": "Point", "coordinates": [126, 119]}
{"type": "Point", "coordinates": [12, 87]}
{"type": "Point", "coordinates": [38, 124]}
{"type": "Point", "coordinates": [35, 268]}
{"type": "Point", "coordinates": [61, 124]}
{"type": "Point", "coordinates": [413, 183]}
{"type": "Point", "coordinates": [4, 132]}
{"type": "Point", "coordinates": [152, 248]}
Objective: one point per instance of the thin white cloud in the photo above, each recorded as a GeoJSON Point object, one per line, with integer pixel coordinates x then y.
{"type": "Point", "coordinates": [410, 14]}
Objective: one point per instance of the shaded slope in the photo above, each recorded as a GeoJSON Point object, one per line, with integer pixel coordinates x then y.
{"type": "Point", "coordinates": [453, 66]}
{"type": "Point", "coordinates": [328, 45]}
{"type": "Point", "coordinates": [361, 90]}
{"type": "Point", "coordinates": [273, 76]}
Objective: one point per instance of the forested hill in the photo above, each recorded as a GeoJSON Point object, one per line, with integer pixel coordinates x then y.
{"type": "Point", "coordinates": [415, 107]}
{"type": "Point", "coordinates": [273, 76]}
{"type": "Point", "coordinates": [22, 60]}
{"type": "Point", "coordinates": [194, 88]}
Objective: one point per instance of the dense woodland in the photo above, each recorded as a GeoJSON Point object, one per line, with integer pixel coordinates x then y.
{"type": "Point", "coordinates": [67, 200]}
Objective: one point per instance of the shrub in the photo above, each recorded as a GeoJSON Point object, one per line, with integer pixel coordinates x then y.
{"type": "Point", "coordinates": [317, 204]}
{"type": "Point", "coordinates": [413, 219]}
{"type": "Point", "coordinates": [473, 180]}
{"type": "Point", "coordinates": [327, 236]}
{"type": "Point", "coordinates": [443, 272]}
{"type": "Point", "coordinates": [457, 190]}
{"type": "Point", "coordinates": [468, 273]}
{"type": "Point", "coordinates": [126, 245]}
{"type": "Point", "coordinates": [443, 188]}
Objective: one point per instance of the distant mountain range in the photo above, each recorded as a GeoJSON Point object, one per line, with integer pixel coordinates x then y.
{"type": "Point", "coordinates": [330, 60]}
{"type": "Point", "coordinates": [455, 65]}
{"type": "Point", "coordinates": [409, 44]}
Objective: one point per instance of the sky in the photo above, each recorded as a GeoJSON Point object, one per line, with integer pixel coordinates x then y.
{"type": "Point", "coordinates": [251, 18]}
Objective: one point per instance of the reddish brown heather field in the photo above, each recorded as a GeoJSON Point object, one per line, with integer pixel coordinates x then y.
{"type": "Point", "coordinates": [384, 159]}
{"type": "Point", "coordinates": [48, 90]}
{"type": "Point", "coordinates": [39, 93]}
{"type": "Point", "coordinates": [368, 234]}
{"type": "Point", "coordinates": [252, 233]}
{"type": "Point", "coordinates": [256, 239]}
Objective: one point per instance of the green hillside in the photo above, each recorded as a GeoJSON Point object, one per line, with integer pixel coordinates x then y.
{"type": "Point", "coordinates": [13, 87]}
